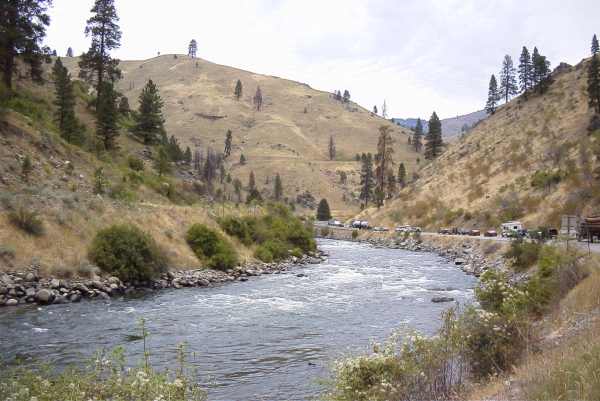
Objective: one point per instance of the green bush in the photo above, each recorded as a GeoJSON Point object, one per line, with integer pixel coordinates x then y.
{"type": "Point", "coordinates": [276, 249]}
{"type": "Point", "coordinates": [264, 254]}
{"type": "Point", "coordinates": [135, 163]}
{"type": "Point", "coordinates": [523, 254]}
{"type": "Point", "coordinates": [28, 221]}
{"type": "Point", "coordinates": [127, 252]}
{"type": "Point", "coordinates": [545, 179]}
{"type": "Point", "coordinates": [211, 246]}
{"type": "Point", "coordinates": [354, 234]}
{"type": "Point", "coordinates": [237, 227]}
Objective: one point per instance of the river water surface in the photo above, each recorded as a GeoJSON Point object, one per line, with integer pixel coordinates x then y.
{"type": "Point", "coordinates": [271, 338]}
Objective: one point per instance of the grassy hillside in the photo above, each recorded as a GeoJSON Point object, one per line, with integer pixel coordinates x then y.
{"type": "Point", "coordinates": [533, 160]}
{"type": "Point", "coordinates": [289, 136]}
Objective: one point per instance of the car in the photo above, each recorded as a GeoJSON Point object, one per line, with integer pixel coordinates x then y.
{"type": "Point", "coordinates": [335, 223]}
{"type": "Point", "coordinates": [364, 225]}
{"type": "Point", "coordinates": [380, 229]}
{"type": "Point", "coordinates": [491, 233]}
{"type": "Point", "coordinates": [463, 231]}
{"type": "Point", "coordinates": [356, 224]}
{"type": "Point", "coordinates": [444, 231]}
{"type": "Point", "coordinates": [474, 233]}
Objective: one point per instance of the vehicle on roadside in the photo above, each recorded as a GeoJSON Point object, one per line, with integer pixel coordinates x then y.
{"type": "Point", "coordinates": [380, 229]}
{"type": "Point", "coordinates": [490, 233]}
{"type": "Point", "coordinates": [335, 223]}
{"type": "Point", "coordinates": [463, 231]}
{"type": "Point", "coordinates": [364, 225]}
{"type": "Point", "coordinates": [444, 231]}
{"type": "Point", "coordinates": [416, 229]}
{"type": "Point", "coordinates": [475, 233]}
{"type": "Point", "coordinates": [402, 229]}
{"type": "Point", "coordinates": [511, 229]}
{"type": "Point", "coordinates": [355, 224]}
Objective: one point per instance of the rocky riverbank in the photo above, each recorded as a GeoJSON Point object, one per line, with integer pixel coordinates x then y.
{"type": "Point", "coordinates": [470, 258]}
{"type": "Point", "coordinates": [22, 288]}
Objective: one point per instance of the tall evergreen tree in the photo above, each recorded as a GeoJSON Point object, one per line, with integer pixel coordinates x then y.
{"type": "Point", "coordinates": [391, 184]}
{"type": "Point", "coordinates": [278, 188]}
{"type": "Point", "coordinates": [238, 90]}
{"type": "Point", "coordinates": [258, 99]}
{"type": "Point", "coordinates": [149, 124]}
{"type": "Point", "coordinates": [237, 187]}
{"type": "Point", "coordinates": [402, 175]}
{"type": "Point", "coordinates": [541, 71]}
{"type": "Point", "coordinates": [162, 164]}
{"type": "Point", "coordinates": [594, 84]}
{"type": "Point", "coordinates": [493, 96]}
{"type": "Point", "coordinates": [22, 28]}
{"type": "Point", "coordinates": [242, 159]}
{"type": "Point", "coordinates": [174, 149]}
{"type": "Point", "coordinates": [187, 156]}
{"type": "Point", "coordinates": [417, 140]}
{"type": "Point", "coordinates": [251, 181]}
{"type": "Point", "coordinates": [346, 97]}
{"type": "Point", "coordinates": [367, 181]}
{"type": "Point", "coordinates": [323, 211]}
{"type": "Point", "coordinates": [64, 101]}
{"type": "Point", "coordinates": [508, 81]}
{"type": "Point", "coordinates": [96, 65]}
{"type": "Point", "coordinates": [209, 171]}
{"type": "Point", "coordinates": [384, 161]}
{"type": "Point", "coordinates": [70, 52]}
{"type": "Point", "coordinates": [228, 139]}
{"type": "Point", "coordinates": [595, 47]}
{"type": "Point", "coordinates": [434, 145]}
{"type": "Point", "coordinates": [525, 70]}
{"type": "Point", "coordinates": [192, 48]}
{"type": "Point", "coordinates": [106, 116]}
{"type": "Point", "coordinates": [331, 148]}
{"type": "Point", "coordinates": [374, 109]}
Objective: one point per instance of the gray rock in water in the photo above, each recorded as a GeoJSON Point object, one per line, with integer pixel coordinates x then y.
{"type": "Point", "coordinates": [442, 299]}
{"type": "Point", "coordinates": [300, 275]}
{"type": "Point", "coordinates": [30, 292]}
{"type": "Point", "coordinates": [75, 297]}
{"type": "Point", "coordinates": [30, 277]}
{"type": "Point", "coordinates": [11, 302]}
{"type": "Point", "coordinates": [103, 295]}
{"type": "Point", "coordinates": [55, 284]}
{"type": "Point", "coordinates": [459, 261]}
{"type": "Point", "coordinates": [44, 296]}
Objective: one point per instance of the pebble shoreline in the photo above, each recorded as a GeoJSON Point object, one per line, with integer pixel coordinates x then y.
{"type": "Point", "coordinates": [24, 288]}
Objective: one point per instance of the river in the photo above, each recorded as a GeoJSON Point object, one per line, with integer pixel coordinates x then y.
{"type": "Point", "coordinates": [271, 338]}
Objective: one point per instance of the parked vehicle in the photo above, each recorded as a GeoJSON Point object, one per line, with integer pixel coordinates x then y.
{"type": "Point", "coordinates": [402, 229]}
{"type": "Point", "coordinates": [463, 231]}
{"type": "Point", "coordinates": [589, 228]}
{"type": "Point", "coordinates": [491, 233]}
{"type": "Point", "coordinates": [444, 231]}
{"type": "Point", "coordinates": [475, 233]}
{"type": "Point", "coordinates": [364, 225]}
{"type": "Point", "coordinates": [380, 229]}
{"type": "Point", "coordinates": [511, 228]}
{"type": "Point", "coordinates": [355, 224]}
{"type": "Point", "coordinates": [335, 223]}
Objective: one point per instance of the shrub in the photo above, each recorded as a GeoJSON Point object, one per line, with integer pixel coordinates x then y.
{"type": "Point", "coordinates": [325, 232]}
{"type": "Point", "coordinates": [135, 163]}
{"type": "Point", "coordinates": [237, 227]}
{"type": "Point", "coordinates": [523, 254]}
{"type": "Point", "coordinates": [127, 252]}
{"type": "Point", "coordinates": [545, 180]}
{"type": "Point", "coordinates": [212, 247]}
{"type": "Point", "coordinates": [354, 234]}
{"type": "Point", "coordinates": [276, 248]}
{"type": "Point", "coordinates": [28, 221]}
{"type": "Point", "coordinates": [264, 254]}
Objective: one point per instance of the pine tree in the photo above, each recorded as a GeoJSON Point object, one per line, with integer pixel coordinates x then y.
{"type": "Point", "coordinates": [192, 48]}
{"type": "Point", "coordinates": [209, 171]}
{"type": "Point", "coordinates": [595, 47]}
{"type": "Point", "coordinates": [391, 185]}
{"type": "Point", "coordinates": [22, 28]}
{"type": "Point", "coordinates": [238, 90]}
{"type": "Point", "coordinates": [162, 164]}
{"type": "Point", "coordinates": [374, 109]}
{"type": "Point", "coordinates": [258, 99]}
{"type": "Point", "coordinates": [149, 124]}
{"type": "Point", "coordinates": [251, 181]}
{"type": "Point", "coordinates": [508, 81]}
{"type": "Point", "coordinates": [106, 116]}
{"type": "Point", "coordinates": [64, 101]}
{"type": "Point", "coordinates": [402, 175]}
{"type": "Point", "coordinates": [174, 149]}
{"type": "Point", "coordinates": [384, 110]}
{"type": "Point", "coordinates": [433, 147]}
{"type": "Point", "coordinates": [237, 187]}
{"type": "Point", "coordinates": [493, 96]}
{"type": "Point", "coordinates": [69, 52]}
{"type": "Point", "coordinates": [367, 181]}
{"type": "Point", "coordinates": [278, 188]}
{"type": "Point", "coordinates": [525, 70]}
{"type": "Point", "coordinates": [242, 159]}
{"type": "Point", "coordinates": [417, 140]}
{"type": "Point", "coordinates": [331, 148]}
{"type": "Point", "coordinates": [594, 84]}
{"type": "Point", "coordinates": [228, 139]}
{"type": "Point", "coordinates": [323, 211]}
{"type": "Point", "coordinates": [96, 65]}
{"type": "Point", "coordinates": [541, 71]}
{"type": "Point", "coordinates": [346, 97]}
{"type": "Point", "coordinates": [187, 156]}
{"type": "Point", "coordinates": [383, 161]}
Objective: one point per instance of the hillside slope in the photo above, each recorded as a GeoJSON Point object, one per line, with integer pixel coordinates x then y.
{"type": "Point", "coordinates": [290, 135]}
{"type": "Point", "coordinates": [534, 160]}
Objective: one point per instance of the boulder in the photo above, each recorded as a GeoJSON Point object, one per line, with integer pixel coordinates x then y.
{"type": "Point", "coordinates": [11, 302]}
{"type": "Point", "coordinates": [75, 297]}
{"type": "Point", "coordinates": [44, 296]}
{"type": "Point", "coordinates": [442, 299]}
{"type": "Point", "coordinates": [55, 284]}
{"type": "Point", "coordinates": [459, 261]}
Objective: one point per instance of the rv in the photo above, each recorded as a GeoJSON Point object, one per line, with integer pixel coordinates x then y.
{"type": "Point", "coordinates": [511, 228]}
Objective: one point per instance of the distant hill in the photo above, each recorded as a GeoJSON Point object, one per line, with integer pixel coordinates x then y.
{"type": "Point", "coordinates": [451, 127]}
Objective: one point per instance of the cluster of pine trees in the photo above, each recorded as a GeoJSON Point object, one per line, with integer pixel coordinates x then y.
{"type": "Point", "coordinates": [533, 74]}
{"type": "Point", "coordinates": [345, 98]}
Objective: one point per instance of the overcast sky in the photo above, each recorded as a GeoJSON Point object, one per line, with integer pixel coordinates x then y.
{"type": "Point", "coordinates": [418, 55]}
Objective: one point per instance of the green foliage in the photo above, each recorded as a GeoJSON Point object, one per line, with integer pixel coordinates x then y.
{"type": "Point", "coordinates": [545, 179]}
{"type": "Point", "coordinates": [276, 233]}
{"type": "Point", "coordinates": [27, 220]}
{"type": "Point", "coordinates": [149, 118]}
{"type": "Point", "coordinates": [106, 117]}
{"type": "Point", "coordinates": [323, 211]}
{"type": "Point", "coordinates": [26, 168]}
{"type": "Point", "coordinates": [127, 252]}
{"type": "Point", "coordinates": [523, 254]}
{"type": "Point", "coordinates": [68, 125]}
{"type": "Point", "coordinates": [162, 163]}
{"type": "Point", "coordinates": [135, 163]}
{"type": "Point", "coordinates": [354, 234]}
{"type": "Point", "coordinates": [100, 181]}
{"type": "Point", "coordinates": [211, 246]}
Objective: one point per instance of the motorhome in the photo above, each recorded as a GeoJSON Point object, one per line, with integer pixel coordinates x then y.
{"type": "Point", "coordinates": [511, 228]}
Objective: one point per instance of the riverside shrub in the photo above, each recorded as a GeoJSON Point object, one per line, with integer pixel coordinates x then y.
{"type": "Point", "coordinates": [211, 246]}
{"type": "Point", "coordinates": [127, 252]}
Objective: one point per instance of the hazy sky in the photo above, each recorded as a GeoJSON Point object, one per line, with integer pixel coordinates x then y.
{"type": "Point", "coordinates": [418, 55]}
